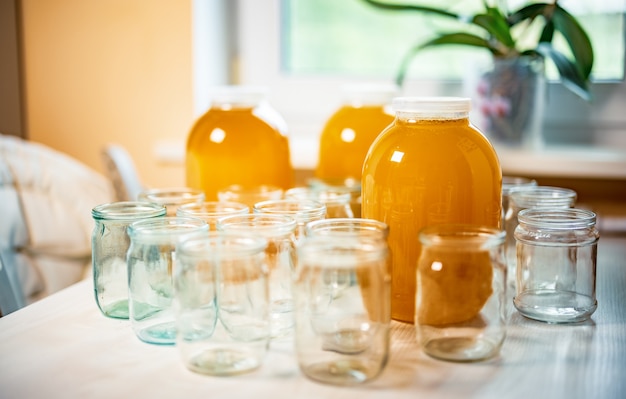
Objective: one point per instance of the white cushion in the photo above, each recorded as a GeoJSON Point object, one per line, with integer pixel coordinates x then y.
{"type": "Point", "coordinates": [46, 199]}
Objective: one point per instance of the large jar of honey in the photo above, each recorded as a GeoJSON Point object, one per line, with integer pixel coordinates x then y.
{"type": "Point", "coordinates": [429, 167]}
{"type": "Point", "coordinates": [240, 140]}
{"type": "Point", "coordinates": [351, 129]}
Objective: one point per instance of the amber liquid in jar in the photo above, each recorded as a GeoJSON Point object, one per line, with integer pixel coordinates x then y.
{"type": "Point", "coordinates": [237, 143]}
{"type": "Point", "coordinates": [429, 167]}
{"type": "Point", "coordinates": [347, 137]}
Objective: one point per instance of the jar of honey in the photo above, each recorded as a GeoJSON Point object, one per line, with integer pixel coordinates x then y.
{"type": "Point", "coordinates": [349, 132]}
{"type": "Point", "coordinates": [429, 167]}
{"type": "Point", "coordinates": [240, 140]}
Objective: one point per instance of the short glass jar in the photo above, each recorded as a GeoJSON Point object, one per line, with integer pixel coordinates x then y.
{"type": "Point", "coordinates": [109, 244]}
{"type": "Point", "coordinates": [172, 198]}
{"type": "Point", "coordinates": [556, 264]}
{"type": "Point", "coordinates": [151, 261]}
{"type": "Point", "coordinates": [460, 296]}
{"type": "Point", "coordinates": [302, 210]}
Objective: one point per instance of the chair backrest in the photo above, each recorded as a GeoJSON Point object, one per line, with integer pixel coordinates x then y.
{"type": "Point", "coordinates": [121, 170]}
{"type": "Point", "coordinates": [11, 295]}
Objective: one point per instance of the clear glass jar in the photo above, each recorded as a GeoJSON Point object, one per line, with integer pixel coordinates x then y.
{"type": "Point", "coordinates": [345, 339]}
{"type": "Point", "coordinates": [211, 211]}
{"type": "Point", "coordinates": [524, 197]}
{"type": "Point", "coordinates": [430, 166]}
{"type": "Point", "coordinates": [222, 303]}
{"type": "Point", "coordinates": [351, 129]}
{"type": "Point", "coordinates": [280, 255]}
{"type": "Point", "coordinates": [556, 264]}
{"type": "Point", "coordinates": [172, 198]}
{"type": "Point", "coordinates": [337, 201]}
{"type": "Point", "coordinates": [109, 244]}
{"type": "Point", "coordinates": [151, 265]}
{"type": "Point", "coordinates": [241, 140]}
{"type": "Point", "coordinates": [461, 287]}
{"type": "Point", "coordinates": [250, 195]}
{"type": "Point", "coordinates": [511, 183]}
{"type": "Point", "coordinates": [347, 227]}
{"type": "Point", "coordinates": [352, 186]}
{"type": "Point", "coordinates": [302, 210]}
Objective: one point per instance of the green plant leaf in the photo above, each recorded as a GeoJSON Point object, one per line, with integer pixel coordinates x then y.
{"type": "Point", "coordinates": [571, 76]}
{"type": "Point", "coordinates": [495, 24]}
{"type": "Point", "coordinates": [460, 38]}
{"type": "Point", "coordinates": [529, 12]}
{"type": "Point", "coordinates": [547, 33]}
{"type": "Point", "coordinates": [577, 39]}
{"type": "Point", "coordinates": [409, 7]}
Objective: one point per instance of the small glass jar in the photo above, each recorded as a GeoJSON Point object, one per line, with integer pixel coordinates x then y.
{"type": "Point", "coordinates": [337, 201]}
{"type": "Point", "coordinates": [249, 195]}
{"type": "Point", "coordinates": [524, 197]}
{"type": "Point", "coordinates": [344, 339]}
{"type": "Point", "coordinates": [280, 259]}
{"type": "Point", "coordinates": [151, 261]}
{"type": "Point", "coordinates": [172, 198]}
{"type": "Point", "coordinates": [556, 264]}
{"type": "Point", "coordinates": [222, 303]}
{"type": "Point", "coordinates": [211, 211]}
{"type": "Point", "coordinates": [109, 244]}
{"type": "Point", "coordinates": [511, 183]}
{"type": "Point", "coordinates": [348, 227]}
{"type": "Point", "coordinates": [349, 185]}
{"type": "Point", "coordinates": [302, 210]}
{"type": "Point", "coordinates": [461, 286]}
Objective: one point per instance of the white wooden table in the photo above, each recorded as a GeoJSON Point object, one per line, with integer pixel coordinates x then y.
{"type": "Point", "coordinates": [62, 347]}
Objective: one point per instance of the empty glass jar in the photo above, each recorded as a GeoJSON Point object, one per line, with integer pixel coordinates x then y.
{"type": "Point", "coordinates": [109, 244]}
{"type": "Point", "coordinates": [556, 264]}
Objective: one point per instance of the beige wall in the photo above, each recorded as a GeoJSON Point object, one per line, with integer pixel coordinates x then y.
{"type": "Point", "coordinates": [109, 71]}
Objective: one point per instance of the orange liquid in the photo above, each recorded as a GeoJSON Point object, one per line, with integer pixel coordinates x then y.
{"type": "Point", "coordinates": [422, 173]}
{"type": "Point", "coordinates": [236, 146]}
{"type": "Point", "coordinates": [342, 152]}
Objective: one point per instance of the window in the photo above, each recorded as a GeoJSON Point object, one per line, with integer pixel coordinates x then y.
{"type": "Point", "coordinates": [298, 49]}
{"type": "Point", "coordinates": [351, 37]}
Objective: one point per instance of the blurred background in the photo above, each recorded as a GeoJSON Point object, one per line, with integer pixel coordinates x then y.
{"type": "Point", "coordinates": [76, 75]}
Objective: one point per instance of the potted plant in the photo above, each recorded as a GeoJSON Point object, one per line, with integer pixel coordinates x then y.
{"type": "Point", "coordinates": [512, 92]}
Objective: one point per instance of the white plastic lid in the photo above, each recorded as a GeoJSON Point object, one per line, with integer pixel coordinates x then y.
{"type": "Point", "coordinates": [432, 106]}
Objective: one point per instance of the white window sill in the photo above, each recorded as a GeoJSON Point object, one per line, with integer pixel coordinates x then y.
{"type": "Point", "coordinates": [552, 161]}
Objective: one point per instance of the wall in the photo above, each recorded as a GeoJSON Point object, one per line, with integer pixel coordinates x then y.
{"type": "Point", "coordinates": [109, 71]}
{"type": "Point", "coordinates": [10, 99]}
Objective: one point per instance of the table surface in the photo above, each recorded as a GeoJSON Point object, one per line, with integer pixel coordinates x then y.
{"type": "Point", "coordinates": [62, 347]}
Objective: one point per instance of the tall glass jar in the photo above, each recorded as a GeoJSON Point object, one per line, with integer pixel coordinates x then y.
{"type": "Point", "coordinates": [242, 140]}
{"type": "Point", "coordinates": [349, 132]}
{"type": "Point", "coordinates": [109, 244]}
{"type": "Point", "coordinates": [430, 166]}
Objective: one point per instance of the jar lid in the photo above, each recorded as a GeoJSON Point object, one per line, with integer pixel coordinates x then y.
{"type": "Point", "coordinates": [433, 106]}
